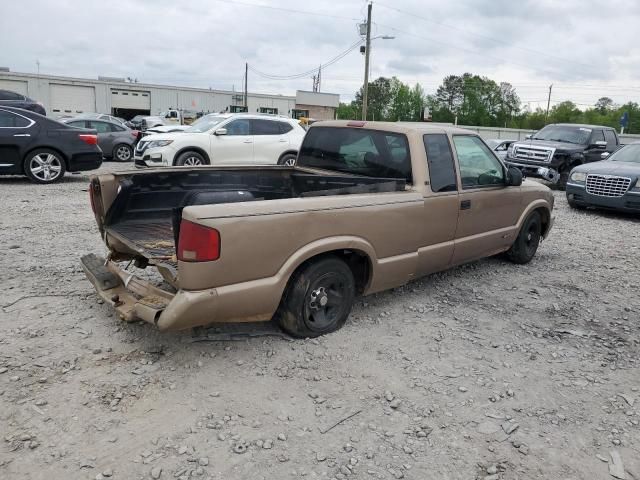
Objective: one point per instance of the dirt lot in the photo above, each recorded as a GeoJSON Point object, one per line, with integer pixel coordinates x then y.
{"type": "Point", "coordinates": [490, 370]}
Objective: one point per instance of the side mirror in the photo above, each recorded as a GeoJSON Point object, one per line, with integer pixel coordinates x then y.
{"type": "Point", "coordinates": [600, 144]}
{"type": "Point", "coordinates": [604, 155]}
{"type": "Point", "coordinates": [220, 131]}
{"type": "Point", "coordinates": [514, 177]}
{"type": "Point", "coordinates": [528, 137]}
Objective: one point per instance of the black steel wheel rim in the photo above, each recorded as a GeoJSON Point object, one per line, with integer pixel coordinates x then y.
{"type": "Point", "coordinates": [325, 301]}
{"type": "Point", "coordinates": [532, 237]}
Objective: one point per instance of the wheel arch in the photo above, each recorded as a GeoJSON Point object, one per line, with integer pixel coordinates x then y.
{"type": "Point", "coordinates": [543, 209]}
{"type": "Point", "coordinates": [191, 148]}
{"type": "Point", "coordinates": [44, 147]}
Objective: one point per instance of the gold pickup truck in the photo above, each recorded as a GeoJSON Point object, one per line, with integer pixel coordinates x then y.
{"type": "Point", "coordinates": [368, 206]}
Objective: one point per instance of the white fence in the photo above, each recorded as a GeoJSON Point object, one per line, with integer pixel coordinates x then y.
{"type": "Point", "coordinates": [519, 134]}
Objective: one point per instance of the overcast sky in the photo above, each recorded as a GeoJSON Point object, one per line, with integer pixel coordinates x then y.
{"type": "Point", "coordinates": [587, 49]}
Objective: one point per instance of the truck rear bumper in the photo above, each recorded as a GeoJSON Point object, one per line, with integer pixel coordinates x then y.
{"type": "Point", "coordinates": [136, 299]}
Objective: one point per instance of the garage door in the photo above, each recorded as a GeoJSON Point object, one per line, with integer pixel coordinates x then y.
{"type": "Point", "coordinates": [17, 86]}
{"type": "Point", "coordinates": [130, 99]}
{"type": "Point", "coordinates": [72, 99]}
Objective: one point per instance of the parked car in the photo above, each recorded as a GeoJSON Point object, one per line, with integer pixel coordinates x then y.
{"type": "Point", "coordinates": [116, 141]}
{"type": "Point", "coordinates": [17, 100]}
{"type": "Point", "coordinates": [223, 139]}
{"type": "Point", "coordinates": [553, 151]}
{"type": "Point", "coordinates": [166, 129]}
{"type": "Point", "coordinates": [367, 207]}
{"type": "Point", "coordinates": [499, 147]}
{"type": "Point", "coordinates": [99, 116]}
{"type": "Point", "coordinates": [136, 122]}
{"type": "Point", "coordinates": [613, 183]}
{"type": "Point", "coordinates": [150, 121]}
{"type": "Point", "coordinates": [44, 149]}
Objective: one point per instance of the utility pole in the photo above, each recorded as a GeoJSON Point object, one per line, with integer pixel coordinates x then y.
{"type": "Point", "coordinates": [246, 93]}
{"type": "Point", "coordinates": [365, 94]}
{"type": "Point", "coordinates": [546, 116]}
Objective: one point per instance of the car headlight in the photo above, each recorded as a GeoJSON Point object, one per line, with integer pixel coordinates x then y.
{"type": "Point", "coordinates": [579, 177]}
{"type": "Point", "coordinates": [159, 143]}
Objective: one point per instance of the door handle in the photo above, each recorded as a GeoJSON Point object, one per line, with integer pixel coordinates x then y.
{"type": "Point", "coordinates": [22, 135]}
{"type": "Point", "coordinates": [248, 141]}
{"type": "Point", "coordinates": [282, 140]}
{"type": "Point", "coordinates": [465, 204]}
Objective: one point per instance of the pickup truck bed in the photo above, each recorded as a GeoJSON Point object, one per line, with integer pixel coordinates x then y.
{"type": "Point", "coordinates": [146, 213]}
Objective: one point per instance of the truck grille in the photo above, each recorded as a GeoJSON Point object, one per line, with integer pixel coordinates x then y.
{"type": "Point", "coordinates": [533, 153]}
{"type": "Point", "coordinates": [607, 185]}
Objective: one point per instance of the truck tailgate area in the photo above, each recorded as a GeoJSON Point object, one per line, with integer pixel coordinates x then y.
{"type": "Point", "coordinates": [153, 239]}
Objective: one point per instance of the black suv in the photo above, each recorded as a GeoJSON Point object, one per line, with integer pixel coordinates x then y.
{"type": "Point", "coordinates": [553, 151]}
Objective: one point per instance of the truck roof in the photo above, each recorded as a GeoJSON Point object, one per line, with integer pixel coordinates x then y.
{"type": "Point", "coordinates": [400, 127]}
{"type": "Point", "coordinates": [580, 125]}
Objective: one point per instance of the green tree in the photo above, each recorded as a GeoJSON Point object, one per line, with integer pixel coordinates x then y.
{"type": "Point", "coordinates": [348, 111]}
{"type": "Point", "coordinates": [565, 112]}
{"type": "Point", "coordinates": [603, 104]}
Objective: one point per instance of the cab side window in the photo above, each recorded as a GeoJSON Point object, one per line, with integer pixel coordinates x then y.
{"type": "Point", "coordinates": [596, 136]}
{"type": "Point", "coordinates": [478, 165]}
{"type": "Point", "coordinates": [610, 138]}
{"type": "Point", "coordinates": [442, 172]}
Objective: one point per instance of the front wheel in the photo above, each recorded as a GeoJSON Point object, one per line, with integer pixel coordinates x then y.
{"type": "Point", "coordinates": [191, 159]}
{"type": "Point", "coordinates": [44, 166]}
{"type": "Point", "coordinates": [318, 299]}
{"type": "Point", "coordinates": [288, 160]}
{"type": "Point", "coordinates": [122, 152]}
{"type": "Point", "coordinates": [526, 244]}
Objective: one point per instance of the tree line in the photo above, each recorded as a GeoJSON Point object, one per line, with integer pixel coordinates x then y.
{"type": "Point", "coordinates": [475, 100]}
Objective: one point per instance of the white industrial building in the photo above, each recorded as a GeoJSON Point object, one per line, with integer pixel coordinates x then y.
{"type": "Point", "coordinates": [71, 96]}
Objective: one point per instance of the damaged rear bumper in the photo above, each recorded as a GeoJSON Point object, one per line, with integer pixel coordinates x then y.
{"type": "Point", "coordinates": [136, 299]}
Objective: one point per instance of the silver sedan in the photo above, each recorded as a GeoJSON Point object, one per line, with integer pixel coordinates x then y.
{"type": "Point", "coordinates": [499, 147]}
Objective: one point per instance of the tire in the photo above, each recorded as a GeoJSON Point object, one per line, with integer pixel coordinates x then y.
{"type": "Point", "coordinates": [122, 152]}
{"type": "Point", "coordinates": [191, 159]}
{"type": "Point", "coordinates": [44, 166]}
{"type": "Point", "coordinates": [564, 178]}
{"type": "Point", "coordinates": [288, 159]}
{"type": "Point", "coordinates": [526, 244]}
{"type": "Point", "coordinates": [318, 299]}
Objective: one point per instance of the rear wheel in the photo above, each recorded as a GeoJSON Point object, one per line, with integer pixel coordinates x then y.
{"type": "Point", "coordinates": [318, 299]}
{"type": "Point", "coordinates": [44, 166]}
{"type": "Point", "coordinates": [526, 244]}
{"type": "Point", "coordinates": [122, 152]}
{"type": "Point", "coordinates": [288, 160]}
{"type": "Point", "coordinates": [191, 159]}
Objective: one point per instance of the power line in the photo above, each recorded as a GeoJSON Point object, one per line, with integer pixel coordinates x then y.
{"type": "Point", "coordinates": [326, 64]}
{"type": "Point", "coordinates": [288, 10]}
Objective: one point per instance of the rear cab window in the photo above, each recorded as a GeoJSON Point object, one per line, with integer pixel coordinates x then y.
{"type": "Point", "coordinates": [611, 139]}
{"type": "Point", "coordinates": [442, 172]}
{"type": "Point", "coordinates": [359, 151]}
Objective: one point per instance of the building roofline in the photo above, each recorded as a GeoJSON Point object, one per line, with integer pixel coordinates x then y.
{"type": "Point", "coordinates": [117, 84]}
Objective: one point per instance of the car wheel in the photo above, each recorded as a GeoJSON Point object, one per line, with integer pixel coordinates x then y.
{"type": "Point", "coordinates": [122, 152]}
{"type": "Point", "coordinates": [44, 166]}
{"type": "Point", "coordinates": [318, 299]}
{"type": "Point", "coordinates": [526, 244]}
{"type": "Point", "coordinates": [191, 159]}
{"type": "Point", "coordinates": [288, 160]}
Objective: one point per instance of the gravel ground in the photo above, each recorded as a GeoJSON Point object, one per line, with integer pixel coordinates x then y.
{"type": "Point", "coordinates": [490, 370]}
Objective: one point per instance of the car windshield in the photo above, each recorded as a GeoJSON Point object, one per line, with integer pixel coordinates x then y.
{"type": "Point", "coordinates": [493, 143]}
{"type": "Point", "coordinates": [628, 153]}
{"type": "Point", "coordinates": [558, 133]}
{"type": "Point", "coordinates": [204, 124]}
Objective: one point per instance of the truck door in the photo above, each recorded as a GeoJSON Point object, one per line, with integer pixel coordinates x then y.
{"type": "Point", "coordinates": [440, 206]}
{"type": "Point", "coordinates": [488, 208]}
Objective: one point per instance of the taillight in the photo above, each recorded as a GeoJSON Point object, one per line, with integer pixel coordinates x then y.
{"type": "Point", "coordinates": [89, 138]}
{"type": "Point", "coordinates": [135, 133]}
{"type": "Point", "coordinates": [198, 243]}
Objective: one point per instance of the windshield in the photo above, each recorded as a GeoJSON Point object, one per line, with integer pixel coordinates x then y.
{"type": "Point", "coordinates": [357, 151]}
{"type": "Point", "coordinates": [204, 124]}
{"type": "Point", "coordinates": [628, 153]}
{"type": "Point", "coordinates": [493, 143]}
{"type": "Point", "coordinates": [558, 133]}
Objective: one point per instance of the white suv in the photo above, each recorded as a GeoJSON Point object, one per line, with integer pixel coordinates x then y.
{"type": "Point", "coordinates": [223, 139]}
